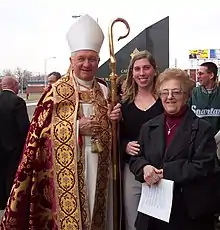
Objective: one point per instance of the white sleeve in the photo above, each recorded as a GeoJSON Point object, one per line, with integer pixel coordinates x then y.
{"type": "Point", "coordinates": [105, 90]}
{"type": "Point", "coordinates": [77, 139]}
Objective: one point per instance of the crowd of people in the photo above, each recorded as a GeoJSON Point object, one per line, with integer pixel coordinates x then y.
{"type": "Point", "coordinates": [57, 171]}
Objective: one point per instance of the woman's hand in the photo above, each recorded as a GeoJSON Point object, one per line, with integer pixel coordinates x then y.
{"type": "Point", "coordinates": [152, 175]}
{"type": "Point", "coordinates": [132, 148]}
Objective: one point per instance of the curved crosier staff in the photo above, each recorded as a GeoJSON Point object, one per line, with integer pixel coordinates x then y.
{"type": "Point", "coordinates": [115, 156]}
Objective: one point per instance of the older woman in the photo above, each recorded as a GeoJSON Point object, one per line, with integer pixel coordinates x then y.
{"type": "Point", "coordinates": [166, 152]}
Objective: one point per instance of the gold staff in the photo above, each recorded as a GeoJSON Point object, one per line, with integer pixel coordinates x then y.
{"type": "Point", "coordinates": [115, 155]}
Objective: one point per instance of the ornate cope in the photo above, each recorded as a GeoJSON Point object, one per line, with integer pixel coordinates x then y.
{"type": "Point", "coordinates": [49, 188]}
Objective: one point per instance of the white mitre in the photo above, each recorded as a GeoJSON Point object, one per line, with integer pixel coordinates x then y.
{"type": "Point", "coordinates": [85, 34]}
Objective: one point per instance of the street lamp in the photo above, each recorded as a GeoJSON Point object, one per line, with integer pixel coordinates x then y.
{"type": "Point", "coordinates": [45, 69]}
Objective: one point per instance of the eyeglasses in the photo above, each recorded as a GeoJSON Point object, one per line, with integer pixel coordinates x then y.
{"type": "Point", "coordinates": [173, 92]}
{"type": "Point", "coordinates": [89, 59]}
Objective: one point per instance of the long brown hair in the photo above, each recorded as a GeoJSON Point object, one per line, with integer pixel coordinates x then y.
{"type": "Point", "coordinates": [131, 87]}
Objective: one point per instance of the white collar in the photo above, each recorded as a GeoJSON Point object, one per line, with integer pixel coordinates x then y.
{"type": "Point", "coordinates": [87, 84]}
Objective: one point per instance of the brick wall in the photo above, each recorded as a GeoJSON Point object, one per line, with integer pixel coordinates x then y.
{"type": "Point", "coordinates": [35, 89]}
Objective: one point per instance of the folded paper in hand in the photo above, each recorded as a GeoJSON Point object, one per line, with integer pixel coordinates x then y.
{"type": "Point", "coordinates": [156, 200]}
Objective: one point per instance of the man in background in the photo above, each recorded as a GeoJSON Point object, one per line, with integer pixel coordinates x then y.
{"type": "Point", "coordinates": [53, 77]}
{"type": "Point", "coordinates": [205, 100]}
{"type": "Point", "coordinates": [14, 125]}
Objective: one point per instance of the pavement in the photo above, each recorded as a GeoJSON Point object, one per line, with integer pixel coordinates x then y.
{"type": "Point", "coordinates": [31, 108]}
{"type": "Point", "coordinates": [31, 102]}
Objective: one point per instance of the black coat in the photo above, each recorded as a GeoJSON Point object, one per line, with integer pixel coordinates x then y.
{"type": "Point", "coordinates": [14, 125]}
{"type": "Point", "coordinates": [176, 167]}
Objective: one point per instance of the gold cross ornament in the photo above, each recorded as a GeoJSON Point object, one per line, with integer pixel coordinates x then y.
{"type": "Point", "coordinates": [136, 51]}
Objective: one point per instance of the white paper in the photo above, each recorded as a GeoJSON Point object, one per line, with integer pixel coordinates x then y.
{"type": "Point", "coordinates": [156, 200]}
{"type": "Point", "coordinates": [217, 138]}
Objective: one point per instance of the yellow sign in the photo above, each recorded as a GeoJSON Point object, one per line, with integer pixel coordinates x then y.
{"type": "Point", "coordinates": [199, 54]}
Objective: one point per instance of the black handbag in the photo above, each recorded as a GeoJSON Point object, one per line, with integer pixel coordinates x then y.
{"type": "Point", "coordinates": [202, 196]}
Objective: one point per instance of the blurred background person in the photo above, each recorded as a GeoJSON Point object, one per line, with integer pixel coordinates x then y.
{"type": "Point", "coordinates": [205, 100]}
{"type": "Point", "coordinates": [53, 77]}
{"type": "Point", "coordinates": [14, 123]}
{"type": "Point", "coordinates": [120, 82]}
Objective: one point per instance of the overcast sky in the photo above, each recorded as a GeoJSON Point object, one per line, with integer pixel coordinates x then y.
{"type": "Point", "coordinates": [32, 30]}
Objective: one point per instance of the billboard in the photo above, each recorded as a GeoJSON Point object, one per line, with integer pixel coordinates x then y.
{"type": "Point", "coordinates": [214, 53]}
{"type": "Point", "coordinates": [202, 54]}
{"type": "Point", "coordinates": [199, 54]}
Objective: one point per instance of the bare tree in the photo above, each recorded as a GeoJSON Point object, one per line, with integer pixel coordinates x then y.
{"type": "Point", "coordinates": [7, 72]}
{"type": "Point", "coordinates": [23, 73]}
{"type": "Point", "coordinates": [23, 76]}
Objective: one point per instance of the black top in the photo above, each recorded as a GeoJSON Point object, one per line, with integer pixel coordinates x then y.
{"type": "Point", "coordinates": [189, 161]}
{"type": "Point", "coordinates": [133, 119]}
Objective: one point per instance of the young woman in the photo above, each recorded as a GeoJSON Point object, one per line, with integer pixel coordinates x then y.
{"type": "Point", "coordinates": [139, 104]}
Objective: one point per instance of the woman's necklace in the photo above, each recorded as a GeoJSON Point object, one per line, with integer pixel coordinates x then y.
{"type": "Point", "coordinates": [170, 128]}
{"type": "Point", "coordinates": [143, 106]}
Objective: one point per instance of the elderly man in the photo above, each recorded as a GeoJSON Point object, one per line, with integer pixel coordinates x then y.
{"type": "Point", "coordinates": [14, 124]}
{"type": "Point", "coordinates": [63, 178]}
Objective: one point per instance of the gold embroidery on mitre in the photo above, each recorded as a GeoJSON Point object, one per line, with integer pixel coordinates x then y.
{"type": "Point", "coordinates": [136, 51]}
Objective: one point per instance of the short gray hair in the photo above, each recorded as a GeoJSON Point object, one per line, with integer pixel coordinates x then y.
{"type": "Point", "coordinates": [75, 52]}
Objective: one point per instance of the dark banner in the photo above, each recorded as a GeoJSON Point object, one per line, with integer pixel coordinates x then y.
{"type": "Point", "coordinates": [154, 39]}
